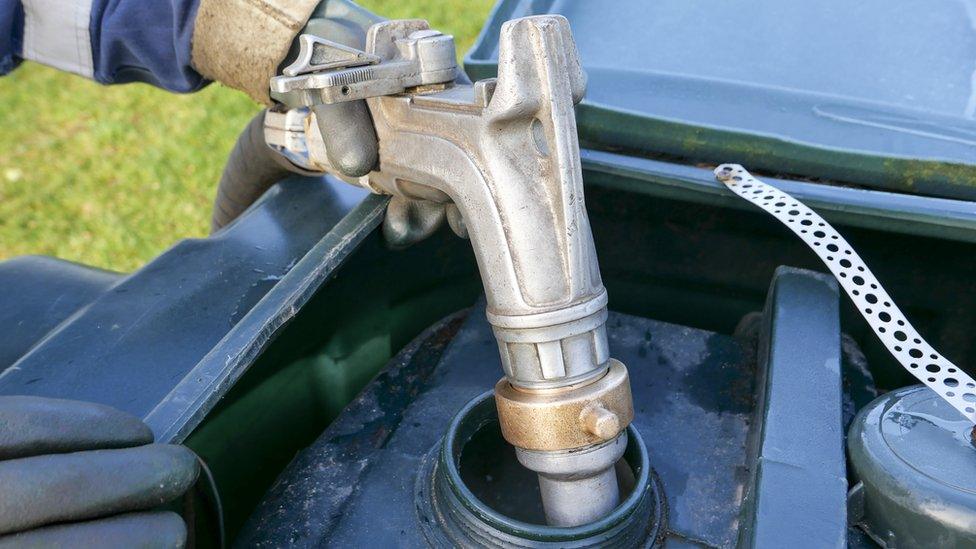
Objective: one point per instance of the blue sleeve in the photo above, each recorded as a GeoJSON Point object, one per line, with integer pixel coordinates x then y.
{"type": "Point", "coordinates": [145, 41]}
{"type": "Point", "coordinates": [119, 41]}
{"type": "Point", "coordinates": [11, 27]}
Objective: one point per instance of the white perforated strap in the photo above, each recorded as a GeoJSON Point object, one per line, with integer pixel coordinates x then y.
{"type": "Point", "coordinates": [57, 33]}
{"type": "Point", "coordinates": [873, 302]}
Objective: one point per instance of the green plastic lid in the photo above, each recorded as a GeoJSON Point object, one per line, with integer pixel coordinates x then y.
{"type": "Point", "coordinates": [873, 93]}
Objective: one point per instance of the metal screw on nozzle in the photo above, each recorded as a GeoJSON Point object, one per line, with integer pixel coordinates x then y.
{"type": "Point", "coordinates": [600, 422]}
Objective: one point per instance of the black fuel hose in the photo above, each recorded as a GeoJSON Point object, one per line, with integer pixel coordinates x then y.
{"type": "Point", "coordinates": [252, 168]}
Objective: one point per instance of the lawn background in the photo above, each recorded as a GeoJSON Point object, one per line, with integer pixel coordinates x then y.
{"type": "Point", "coordinates": [111, 176]}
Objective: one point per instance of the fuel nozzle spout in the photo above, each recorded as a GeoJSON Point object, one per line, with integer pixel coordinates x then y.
{"type": "Point", "coordinates": [503, 155]}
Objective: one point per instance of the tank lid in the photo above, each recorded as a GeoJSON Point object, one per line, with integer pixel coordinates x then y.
{"type": "Point", "coordinates": [811, 89]}
{"type": "Point", "coordinates": [916, 464]}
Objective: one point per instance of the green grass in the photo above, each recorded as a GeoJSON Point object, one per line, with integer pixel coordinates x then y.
{"type": "Point", "coordinates": [112, 176]}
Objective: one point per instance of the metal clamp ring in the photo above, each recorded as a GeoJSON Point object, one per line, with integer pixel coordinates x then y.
{"type": "Point", "coordinates": [564, 419]}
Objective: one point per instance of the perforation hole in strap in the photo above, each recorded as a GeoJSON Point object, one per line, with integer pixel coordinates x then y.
{"type": "Point", "coordinates": [872, 301]}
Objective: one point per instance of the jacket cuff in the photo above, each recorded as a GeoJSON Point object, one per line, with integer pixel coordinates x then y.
{"type": "Point", "coordinates": [240, 43]}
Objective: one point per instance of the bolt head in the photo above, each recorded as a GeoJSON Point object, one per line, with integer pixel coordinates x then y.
{"type": "Point", "coordinates": [600, 422]}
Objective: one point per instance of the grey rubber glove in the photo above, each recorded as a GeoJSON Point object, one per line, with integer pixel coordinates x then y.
{"type": "Point", "coordinates": [78, 474]}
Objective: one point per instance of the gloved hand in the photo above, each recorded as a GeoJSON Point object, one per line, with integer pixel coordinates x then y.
{"type": "Point", "coordinates": [243, 43]}
{"type": "Point", "coordinates": [78, 474]}
{"type": "Point", "coordinates": [346, 128]}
